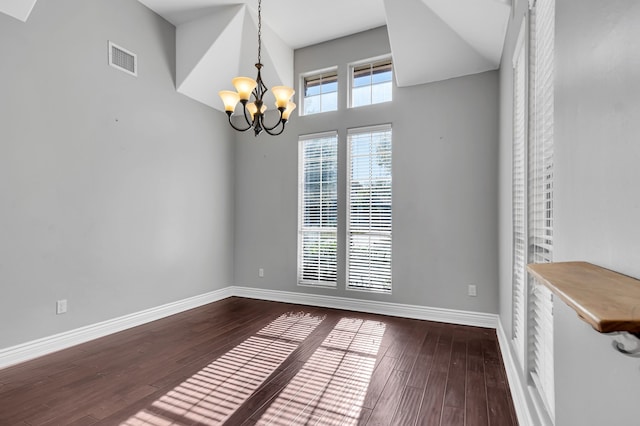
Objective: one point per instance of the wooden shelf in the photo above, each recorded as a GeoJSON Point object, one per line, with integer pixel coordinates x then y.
{"type": "Point", "coordinates": [605, 299]}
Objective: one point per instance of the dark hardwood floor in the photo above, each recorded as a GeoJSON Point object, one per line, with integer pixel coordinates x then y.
{"type": "Point", "coordinates": [249, 362]}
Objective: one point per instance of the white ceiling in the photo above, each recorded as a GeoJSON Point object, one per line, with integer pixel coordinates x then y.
{"type": "Point", "coordinates": [431, 40]}
{"type": "Point", "coordinates": [298, 23]}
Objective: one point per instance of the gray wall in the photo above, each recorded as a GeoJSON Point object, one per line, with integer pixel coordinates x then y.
{"type": "Point", "coordinates": [445, 159]}
{"type": "Point", "coordinates": [596, 204]}
{"type": "Point", "coordinates": [116, 192]}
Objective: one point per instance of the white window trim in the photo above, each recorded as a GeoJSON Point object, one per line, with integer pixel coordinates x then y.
{"type": "Point", "coordinates": [540, 366]}
{"type": "Point", "coordinates": [300, 281]}
{"type": "Point", "coordinates": [352, 65]}
{"type": "Point", "coordinates": [519, 281]}
{"type": "Point", "coordinates": [301, 96]}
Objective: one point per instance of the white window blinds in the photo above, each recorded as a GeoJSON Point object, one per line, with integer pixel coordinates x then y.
{"type": "Point", "coordinates": [369, 209]}
{"type": "Point", "coordinates": [541, 345]}
{"type": "Point", "coordinates": [541, 136]}
{"type": "Point", "coordinates": [541, 197]}
{"type": "Point", "coordinates": [519, 196]}
{"type": "Point", "coordinates": [318, 198]}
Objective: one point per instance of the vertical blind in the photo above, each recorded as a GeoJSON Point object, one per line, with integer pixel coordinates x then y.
{"type": "Point", "coordinates": [519, 196]}
{"type": "Point", "coordinates": [369, 209]}
{"type": "Point", "coordinates": [541, 197]}
{"type": "Point", "coordinates": [317, 238]}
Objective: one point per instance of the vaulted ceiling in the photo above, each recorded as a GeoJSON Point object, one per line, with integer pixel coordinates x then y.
{"type": "Point", "coordinates": [431, 40]}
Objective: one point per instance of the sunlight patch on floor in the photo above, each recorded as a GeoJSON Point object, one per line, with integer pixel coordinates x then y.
{"type": "Point", "coordinates": [212, 394]}
{"type": "Point", "coordinates": [331, 386]}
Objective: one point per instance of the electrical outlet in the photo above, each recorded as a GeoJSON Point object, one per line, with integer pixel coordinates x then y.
{"type": "Point", "coordinates": [61, 306]}
{"type": "Point", "coordinates": [472, 291]}
{"type": "Point", "coordinates": [261, 273]}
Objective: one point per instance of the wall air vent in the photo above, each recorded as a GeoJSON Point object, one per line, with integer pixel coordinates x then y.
{"type": "Point", "coordinates": [123, 60]}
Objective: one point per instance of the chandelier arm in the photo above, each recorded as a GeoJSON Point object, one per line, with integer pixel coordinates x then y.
{"type": "Point", "coordinates": [237, 128]}
{"type": "Point", "coordinates": [268, 130]}
{"type": "Point", "coordinates": [277, 123]}
{"type": "Point", "coordinates": [275, 134]}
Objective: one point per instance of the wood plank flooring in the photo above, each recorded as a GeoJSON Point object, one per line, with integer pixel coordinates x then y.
{"type": "Point", "coordinates": [249, 362]}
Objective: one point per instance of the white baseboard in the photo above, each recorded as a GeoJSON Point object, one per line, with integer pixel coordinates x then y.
{"type": "Point", "coordinates": [26, 351]}
{"type": "Point", "coordinates": [451, 316]}
{"type": "Point", "coordinates": [36, 348]}
{"type": "Point", "coordinates": [518, 389]}
{"type": "Point", "coordinates": [29, 350]}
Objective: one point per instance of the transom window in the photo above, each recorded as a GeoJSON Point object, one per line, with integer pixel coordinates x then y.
{"type": "Point", "coordinates": [371, 83]}
{"type": "Point", "coordinates": [320, 92]}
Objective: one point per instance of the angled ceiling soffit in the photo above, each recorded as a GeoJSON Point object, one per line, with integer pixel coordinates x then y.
{"type": "Point", "coordinates": [483, 24]}
{"type": "Point", "coordinates": [19, 9]}
{"type": "Point", "coordinates": [434, 40]}
{"type": "Point", "coordinates": [213, 49]}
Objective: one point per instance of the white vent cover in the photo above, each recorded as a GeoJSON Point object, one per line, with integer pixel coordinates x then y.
{"type": "Point", "coordinates": [123, 60]}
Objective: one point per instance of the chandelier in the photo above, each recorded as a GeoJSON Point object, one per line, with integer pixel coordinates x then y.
{"type": "Point", "coordinates": [254, 110]}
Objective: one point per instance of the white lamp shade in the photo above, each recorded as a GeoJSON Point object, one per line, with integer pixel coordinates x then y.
{"type": "Point", "coordinates": [244, 86]}
{"type": "Point", "coordinates": [290, 107]}
{"type": "Point", "coordinates": [230, 99]}
{"type": "Point", "coordinates": [283, 94]}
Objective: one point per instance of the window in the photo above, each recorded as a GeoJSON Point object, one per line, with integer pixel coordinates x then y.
{"type": "Point", "coordinates": [541, 198]}
{"type": "Point", "coordinates": [371, 83]}
{"type": "Point", "coordinates": [519, 196]}
{"type": "Point", "coordinates": [318, 161]}
{"type": "Point", "coordinates": [369, 209]}
{"type": "Point", "coordinates": [320, 92]}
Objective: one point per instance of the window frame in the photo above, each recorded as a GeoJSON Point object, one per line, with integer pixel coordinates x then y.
{"type": "Point", "coordinates": [540, 173]}
{"type": "Point", "coordinates": [348, 286]}
{"type": "Point", "coordinates": [520, 186]}
{"type": "Point", "coordinates": [320, 73]}
{"type": "Point", "coordinates": [301, 203]}
{"type": "Point", "coordinates": [369, 61]}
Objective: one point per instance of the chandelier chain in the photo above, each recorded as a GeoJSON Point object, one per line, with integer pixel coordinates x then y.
{"type": "Point", "coordinates": [254, 110]}
{"type": "Point", "coordinates": [259, 31]}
